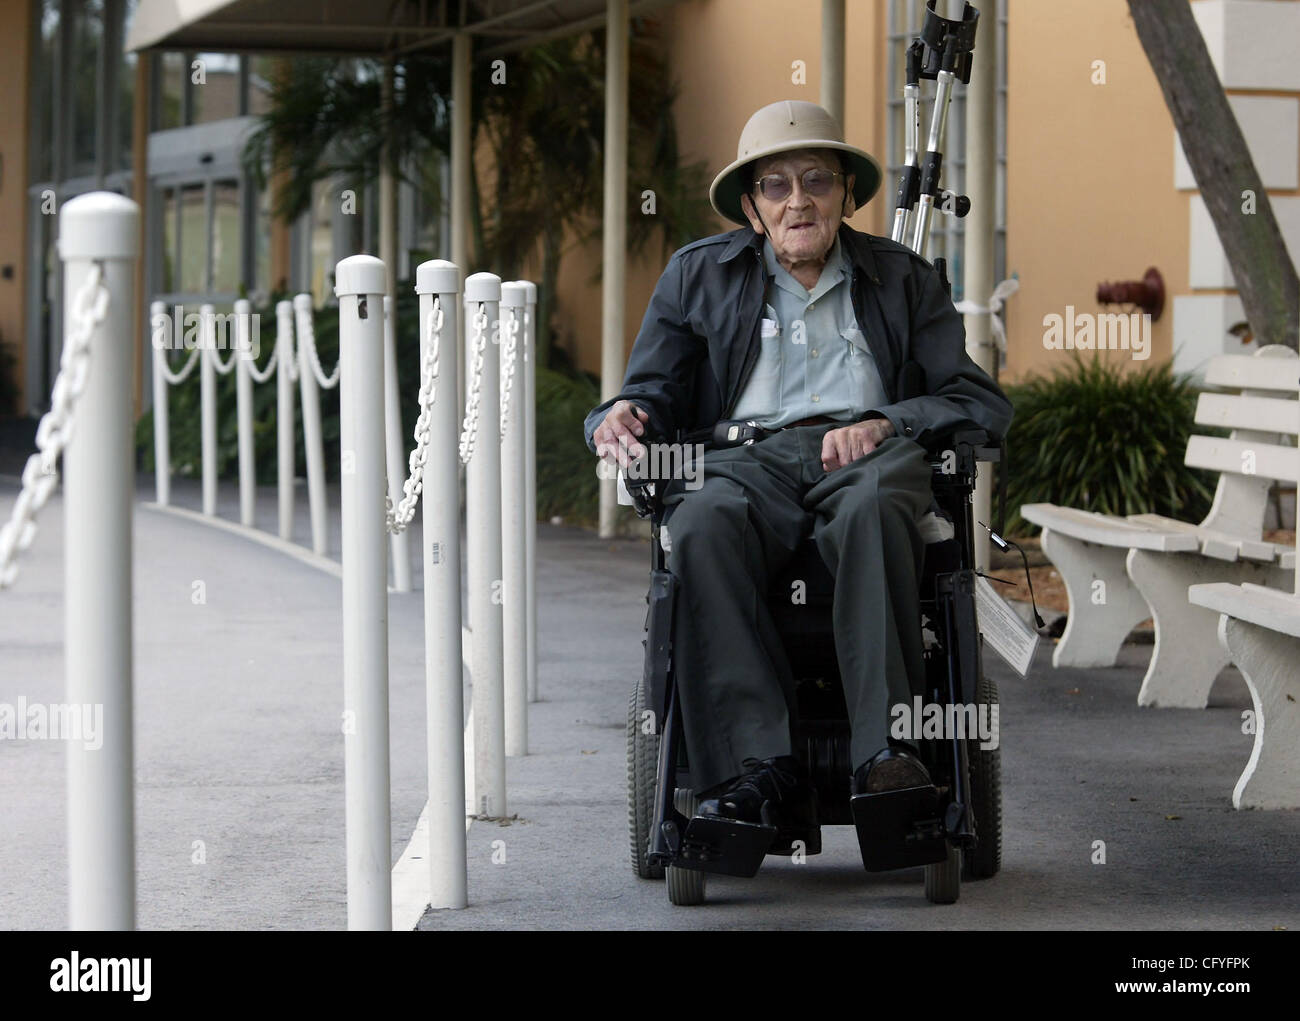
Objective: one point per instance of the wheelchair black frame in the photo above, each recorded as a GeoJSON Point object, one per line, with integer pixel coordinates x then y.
{"type": "Point", "coordinates": [951, 606]}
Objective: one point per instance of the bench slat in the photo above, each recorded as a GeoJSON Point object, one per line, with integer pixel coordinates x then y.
{"type": "Point", "coordinates": [1105, 530]}
{"type": "Point", "coordinates": [1247, 372]}
{"type": "Point", "coordinates": [1262, 414]}
{"type": "Point", "coordinates": [1255, 604]}
{"type": "Point", "coordinates": [1271, 461]}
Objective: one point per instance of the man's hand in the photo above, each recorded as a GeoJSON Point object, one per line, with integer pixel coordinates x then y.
{"type": "Point", "coordinates": [844, 446]}
{"type": "Point", "coordinates": [615, 437]}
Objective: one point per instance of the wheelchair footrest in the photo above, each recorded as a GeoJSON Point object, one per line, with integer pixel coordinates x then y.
{"type": "Point", "coordinates": [900, 829]}
{"type": "Point", "coordinates": [727, 847]}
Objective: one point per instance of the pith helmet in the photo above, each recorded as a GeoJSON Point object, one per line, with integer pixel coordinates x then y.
{"type": "Point", "coordinates": [784, 127]}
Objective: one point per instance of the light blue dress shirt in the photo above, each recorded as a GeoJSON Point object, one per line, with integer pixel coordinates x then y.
{"type": "Point", "coordinates": [814, 359]}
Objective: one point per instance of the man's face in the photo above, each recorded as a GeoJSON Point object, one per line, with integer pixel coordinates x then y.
{"type": "Point", "coordinates": [802, 226]}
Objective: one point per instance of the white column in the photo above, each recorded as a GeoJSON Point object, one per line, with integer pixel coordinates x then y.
{"type": "Point", "coordinates": [208, 409]}
{"type": "Point", "coordinates": [483, 534]}
{"type": "Point", "coordinates": [98, 489]}
{"type": "Point", "coordinates": [981, 224]}
{"type": "Point", "coordinates": [311, 428]}
{"type": "Point", "coordinates": [614, 272]}
{"type": "Point", "coordinates": [461, 169]}
{"type": "Point", "coordinates": [394, 444]}
{"type": "Point", "coordinates": [443, 653]}
{"type": "Point", "coordinates": [833, 27]}
{"type": "Point", "coordinates": [530, 481]}
{"type": "Point", "coordinates": [160, 326]}
{"type": "Point", "coordinates": [244, 413]}
{"type": "Point", "coordinates": [359, 284]}
{"type": "Point", "coordinates": [514, 574]}
{"type": "Point", "coordinates": [284, 431]}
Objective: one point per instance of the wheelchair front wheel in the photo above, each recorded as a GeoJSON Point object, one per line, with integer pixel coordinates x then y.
{"type": "Point", "coordinates": [685, 886]}
{"type": "Point", "coordinates": [943, 881]}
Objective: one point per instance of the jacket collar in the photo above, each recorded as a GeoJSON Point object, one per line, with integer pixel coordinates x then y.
{"type": "Point", "coordinates": [856, 243]}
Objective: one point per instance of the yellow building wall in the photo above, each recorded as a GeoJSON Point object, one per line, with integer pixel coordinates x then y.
{"type": "Point", "coordinates": [1090, 174]}
{"type": "Point", "coordinates": [15, 24]}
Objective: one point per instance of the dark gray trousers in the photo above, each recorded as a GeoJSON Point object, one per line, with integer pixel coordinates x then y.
{"type": "Point", "coordinates": [753, 507]}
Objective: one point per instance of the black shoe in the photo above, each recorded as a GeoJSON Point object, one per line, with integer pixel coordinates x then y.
{"type": "Point", "coordinates": [772, 792]}
{"type": "Point", "coordinates": [890, 769]}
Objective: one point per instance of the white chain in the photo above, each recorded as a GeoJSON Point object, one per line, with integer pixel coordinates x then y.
{"type": "Point", "coordinates": [469, 429]}
{"type": "Point", "coordinates": [261, 376]}
{"type": "Point", "coordinates": [40, 476]}
{"type": "Point", "coordinates": [217, 363]}
{"type": "Point", "coordinates": [309, 341]}
{"type": "Point", "coordinates": [397, 521]}
{"type": "Point", "coordinates": [508, 369]}
{"type": "Point", "coordinates": [176, 378]}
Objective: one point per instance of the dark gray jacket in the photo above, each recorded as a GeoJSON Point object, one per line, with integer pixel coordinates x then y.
{"type": "Point", "coordinates": [699, 340]}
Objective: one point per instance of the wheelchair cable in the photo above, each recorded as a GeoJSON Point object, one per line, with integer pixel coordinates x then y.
{"type": "Point", "coordinates": [1004, 545]}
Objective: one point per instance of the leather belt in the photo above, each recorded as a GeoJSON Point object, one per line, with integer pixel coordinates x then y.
{"type": "Point", "coordinates": [736, 432]}
{"type": "Point", "coordinates": [813, 420]}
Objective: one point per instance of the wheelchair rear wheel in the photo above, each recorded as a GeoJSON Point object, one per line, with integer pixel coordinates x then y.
{"type": "Point", "coordinates": [985, 858]}
{"type": "Point", "coordinates": [685, 886]}
{"type": "Point", "coordinates": [642, 766]}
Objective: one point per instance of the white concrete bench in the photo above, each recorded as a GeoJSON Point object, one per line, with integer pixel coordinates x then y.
{"type": "Point", "coordinates": [1260, 630]}
{"type": "Point", "coordinates": [1118, 571]}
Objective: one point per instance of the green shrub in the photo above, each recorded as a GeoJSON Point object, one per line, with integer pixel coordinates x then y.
{"type": "Point", "coordinates": [1103, 440]}
{"type": "Point", "coordinates": [566, 470]}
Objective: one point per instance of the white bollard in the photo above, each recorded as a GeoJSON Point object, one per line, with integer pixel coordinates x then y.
{"type": "Point", "coordinates": [284, 431]}
{"type": "Point", "coordinates": [530, 480]}
{"type": "Point", "coordinates": [244, 413]}
{"type": "Point", "coordinates": [98, 489]}
{"type": "Point", "coordinates": [159, 325]}
{"type": "Point", "coordinates": [514, 574]}
{"type": "Point", "coordinates": [311, 429]}
{"type": "Point", "coordinates": [395, 445]}
{"type": "Point", "coordinates": [443, 655]}
{"type": "Point", "coordinates": [208, 407]}
{"type": "Point", "coordinates": [359, 284]}
{"type": "Point", "coordinates": [483, 514]}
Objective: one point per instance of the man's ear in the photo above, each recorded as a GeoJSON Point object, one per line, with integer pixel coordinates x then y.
{"type": "Point", "coordinates": [751, 213]}
{"type": "Point", "coordinates": [850, 207]}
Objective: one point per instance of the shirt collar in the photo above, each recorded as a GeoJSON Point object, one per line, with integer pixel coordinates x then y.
{"type": "Point", "coordinates": [836, 269]}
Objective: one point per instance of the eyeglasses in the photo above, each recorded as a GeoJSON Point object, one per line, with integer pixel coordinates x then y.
{"type": "Point", "coordinates": [816, 182]}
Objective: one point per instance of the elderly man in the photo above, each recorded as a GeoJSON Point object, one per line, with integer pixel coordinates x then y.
{"type": "Point", "coordinates": [802, 325]}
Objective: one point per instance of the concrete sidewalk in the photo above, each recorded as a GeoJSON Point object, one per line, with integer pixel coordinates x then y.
{"type": "Point", "coordinates": [1081, 763]}
{"type": "Point", "coordinates": [240, 787]}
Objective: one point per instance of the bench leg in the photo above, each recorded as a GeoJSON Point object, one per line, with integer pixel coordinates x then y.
{"type": "Point", "coordinates": [1188, 655]}
{"type": "Point", "coordinates": [1267, 661]}
{"type": "Point", "coordinates": [1094, 631]}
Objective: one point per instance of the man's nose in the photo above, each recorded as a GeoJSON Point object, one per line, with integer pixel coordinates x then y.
{"type": "Point", "coordinates": [798, 197]}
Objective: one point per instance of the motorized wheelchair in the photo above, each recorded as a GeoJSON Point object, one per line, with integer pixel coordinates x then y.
{"type": "Point", "coordinates": [953, 827]}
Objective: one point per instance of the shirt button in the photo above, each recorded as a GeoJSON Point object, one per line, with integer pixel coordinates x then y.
{"type": "Point", "coordinates": [812, 306]}
{"type": "Point", "coordinates": [816, 397]}
{"type": "Point", "coordinates": [813, 352]}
